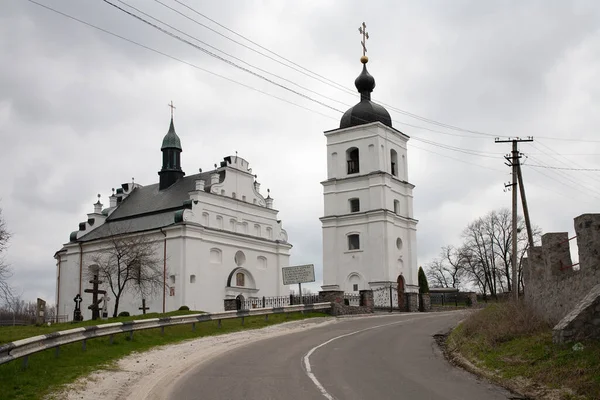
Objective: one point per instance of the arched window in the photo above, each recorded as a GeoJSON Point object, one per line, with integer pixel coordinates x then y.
{"type": "Point", "coordinates": [397, 207]}
{"type": "Point", "coordinates": [354, 205]}
{"type": "Point", "coordinates": [353, 242]}
{"type": "Point", "coordinates": [232, 224]}
{"type": "Point", "coordinates": [219, 222]}
{"type": "Point", "coordinates": [394, 161]}
{"type": "Point", "coordinates": [352, 160]}
{"type": "Point", "coordinates": [205, 218]}
{"type": "Point", "coordinates": [269, 233]}
{"type": "Point", "coordinates": [234, 195]}
{"type": "Point", "coordinates": [257, 230]}
{"type": "Point", "coordinates": [215, 256]}
{"type": "Point", "coordinates": [240, 279]}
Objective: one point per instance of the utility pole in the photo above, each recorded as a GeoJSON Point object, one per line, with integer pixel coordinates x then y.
{"type": "Point", "coordinates": [514, 163]}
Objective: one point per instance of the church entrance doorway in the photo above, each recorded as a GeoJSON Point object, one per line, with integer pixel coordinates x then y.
{"type": "Point", "coordinates": [239, 301]}
{"type": "Point", "coordinates": [401, 302]}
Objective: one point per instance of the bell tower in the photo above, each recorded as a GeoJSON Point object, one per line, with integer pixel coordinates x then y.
{"type": "Point", "coordinates": [369, 233]}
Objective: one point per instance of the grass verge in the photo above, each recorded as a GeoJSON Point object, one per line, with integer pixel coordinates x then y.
{"type": "Point", "coordinates": [47, 373]}
{"type": "Point", "coordinates": [515, 349]}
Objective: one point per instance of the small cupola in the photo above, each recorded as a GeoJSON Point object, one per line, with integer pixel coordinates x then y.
{"type": "Point", "coordinates": [366, 111]}
{"type": "Point", "coordinates": [171, 157]}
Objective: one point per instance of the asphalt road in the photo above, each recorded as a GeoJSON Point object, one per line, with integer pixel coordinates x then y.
{"type": "Point", "coordinates": [381, 357]}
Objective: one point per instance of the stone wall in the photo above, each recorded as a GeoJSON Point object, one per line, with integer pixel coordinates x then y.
{"type": "Point", "coordinates": [552, 287]}
{"type": "Point", "coordinates": [582, 322]}
{"type": "Point", "coordinates": [424, 302]}
{"type": "Point", "coordinates": [336, 298]}
{"type": "Point", "coordinates": [412, 302]}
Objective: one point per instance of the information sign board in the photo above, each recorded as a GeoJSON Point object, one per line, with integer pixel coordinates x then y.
{"type": "Point", "coordinates": [298, 274]}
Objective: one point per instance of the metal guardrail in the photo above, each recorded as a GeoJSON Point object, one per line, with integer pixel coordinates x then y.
{"type": "Point", "coordinates": [25, 347]}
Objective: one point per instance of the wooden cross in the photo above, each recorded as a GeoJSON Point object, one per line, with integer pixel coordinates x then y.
{"type": "Point", "coordinates": [363, 31]}
{"type": "Point", "coordinates": [95, 301]}
{"type": "Point", "coordinates": [173, 107]}
{"type": "Point", "coordinates": [143, 307]}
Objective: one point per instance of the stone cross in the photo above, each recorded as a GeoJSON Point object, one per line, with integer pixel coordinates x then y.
{"type": "Point", "coordinates": [143, 307]}
{"type": "Point", "coordinates": [77, 313]}
{"type": "Point", "coordinates": [95, 292]}
{"type": "Point", "coordinates": [365, 35]}
{"type": "Point", "coordinates": [172, 108]}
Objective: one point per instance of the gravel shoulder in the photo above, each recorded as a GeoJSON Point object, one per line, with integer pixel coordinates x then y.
{"type": "Point", "coordinates": [147, 375]}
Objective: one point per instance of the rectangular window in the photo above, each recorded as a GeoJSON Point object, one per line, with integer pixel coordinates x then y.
{"type": "Point", "coordinates": [354, 205]}
{"type": "Point", "coordinates": [353, 242]}
{"type": "Point", "coordinates": [355, 287]}
{"type": "Point", "coordinates": [192, 278]}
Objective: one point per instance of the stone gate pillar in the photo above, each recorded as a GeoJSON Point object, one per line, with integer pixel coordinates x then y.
{"type": "Point", "coordinates": [366, 298]}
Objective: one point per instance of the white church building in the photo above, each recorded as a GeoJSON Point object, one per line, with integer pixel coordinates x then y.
{"type": "Point", "coordinates": [216, 235]}
{"type": "Point", "coordinates": [369, 233]}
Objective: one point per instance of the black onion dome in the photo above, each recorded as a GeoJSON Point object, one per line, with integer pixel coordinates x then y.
{"type": "Point", "coordinates": [366, 111]}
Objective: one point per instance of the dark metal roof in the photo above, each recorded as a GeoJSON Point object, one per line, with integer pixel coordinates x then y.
{"type": "Point", "coordinates": [171, 140]}
{"type": "Point", "coordinates": [366, 111]}
{"type": "Point", "coordinates": [137, 224]}
{"type": "Point", "coordinates": [148, 199]}
{"type": "Point", "coordinates": [147, 208]}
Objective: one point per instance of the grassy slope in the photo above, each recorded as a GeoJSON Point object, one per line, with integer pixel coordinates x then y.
{"type": "Point", "coordinates": [511, 342]}
{"type": "Point", "coordinates": [12, 333]}
{"type": "Point", "coordinates": [47, 373]}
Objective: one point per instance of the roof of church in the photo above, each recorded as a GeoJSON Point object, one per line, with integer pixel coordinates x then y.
{"type": "Point", "coordinates": [366, 111]}
{"type": "Point", "coordinates": [146, 207]}
{"type": "Point", "coordinates": [171, 140]}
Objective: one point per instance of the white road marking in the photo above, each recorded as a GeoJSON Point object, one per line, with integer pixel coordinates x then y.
{"type": "Point", "coordinates": [306, 359]}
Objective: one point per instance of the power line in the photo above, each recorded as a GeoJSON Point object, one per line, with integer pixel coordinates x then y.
{"type": "Point", "coordinates": [227, 54]}
{"type": "Point", "coordinates": [243, 45]}
{"type": "Point", "coordinates": [471, 152]}
{"type": "Point", "coordinates": [262, 47]}
{"type": "Point", "coordinates": [443, 146]}
{"type": "Point", "coordinates": [210, 53]}
{"type": "Point", "coordinates": [176, 59]}
{"type": "Point", "coordinates": [564, 168]}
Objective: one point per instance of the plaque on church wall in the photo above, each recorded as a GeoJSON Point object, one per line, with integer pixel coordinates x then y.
{"type": "Point", "coordinates": [298, 274]}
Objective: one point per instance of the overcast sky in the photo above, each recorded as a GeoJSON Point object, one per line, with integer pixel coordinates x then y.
{"type": "Point", "coordinates": [82, 111]}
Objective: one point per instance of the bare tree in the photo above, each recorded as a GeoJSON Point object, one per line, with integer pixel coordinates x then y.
{"type": "Point", "coordinates": [487, 250]}
{"type": "Point", "coordinates": [437, 275]}
{"type": "Point", "coordinates": [6, 291]}
{"type": "Point", "coordinates": [129, 263]}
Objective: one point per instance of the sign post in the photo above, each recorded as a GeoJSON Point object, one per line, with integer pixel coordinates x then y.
{"type": "Point", "coordinates": [298, 274]}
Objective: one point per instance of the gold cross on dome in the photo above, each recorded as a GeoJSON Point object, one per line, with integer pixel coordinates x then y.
{"type": "Point", "coordinates": [172, 108]}
{"type": "Point", "coordinates": [365, 35]}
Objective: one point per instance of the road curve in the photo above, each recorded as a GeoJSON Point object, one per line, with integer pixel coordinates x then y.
{"type": "Point", "coordinates": [378, 357]}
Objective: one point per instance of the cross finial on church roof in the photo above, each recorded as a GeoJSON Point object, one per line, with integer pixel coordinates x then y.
{"type": "Point", "coordinates": [365, 35]}
{"type": "Point", "coordinates": [172, 108]}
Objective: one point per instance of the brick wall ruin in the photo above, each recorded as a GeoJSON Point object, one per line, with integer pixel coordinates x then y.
{"type": "Point", "coordinates": [553, 288]}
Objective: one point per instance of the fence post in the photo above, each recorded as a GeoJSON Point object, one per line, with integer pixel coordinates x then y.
{"type": "Point", "coordinates": [266, 317]}
{"type": "Point", "coordinates": [219, 323]}
{"type": "Point", "coordinates": [242, 321]}
{"type": "Point", "coordinates": [263, 302]}
{"type": "Point", "coordinates": [194, 327]}
{"type": "Point", "coordinates": [162, 331]}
